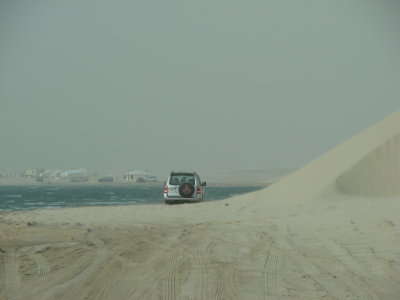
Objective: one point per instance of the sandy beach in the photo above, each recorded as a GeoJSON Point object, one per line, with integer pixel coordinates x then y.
{"type": "Point", "coordinates": [329, 230]}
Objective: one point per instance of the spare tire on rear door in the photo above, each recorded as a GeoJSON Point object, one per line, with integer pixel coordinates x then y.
{"type": "Point", "coordinates": [186, 190]}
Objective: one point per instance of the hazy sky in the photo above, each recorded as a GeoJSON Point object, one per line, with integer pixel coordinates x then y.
{"type": "Point", "coordinates": [163, 85]}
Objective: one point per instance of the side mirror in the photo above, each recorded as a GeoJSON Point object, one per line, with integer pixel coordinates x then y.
{"type": "Point", "coordinates": [203, 183]}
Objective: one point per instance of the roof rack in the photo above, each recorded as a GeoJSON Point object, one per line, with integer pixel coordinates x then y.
{"type": "Point", "coordinates": [182, 172]}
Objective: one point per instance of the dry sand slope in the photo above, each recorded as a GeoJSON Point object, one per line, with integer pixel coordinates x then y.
{"type": "Point", "coordinates": [327, 231]}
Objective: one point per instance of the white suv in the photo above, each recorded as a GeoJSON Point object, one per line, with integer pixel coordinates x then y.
{"type": "Point", "coordinates": [183, 187]}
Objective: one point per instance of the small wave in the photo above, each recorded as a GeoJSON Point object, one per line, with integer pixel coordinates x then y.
{"type": "Point", "coordinates": [33, 203]}
{"type": "Point", "coordinates": [29, 208]}
{"type": "Point", "coordinates": [233, 195]}
{"type": "Point", "coordinates": [9, 209]}
{"type": "Point", "coordinates": [142, 200]}
{"type": "Point", "coordinates": [102, 203]}
{"type": "Point", "coordinates": [12, 196]}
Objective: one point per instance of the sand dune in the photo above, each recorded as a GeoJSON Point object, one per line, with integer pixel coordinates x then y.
{"type": "Point", "coordinates": [368, 163]}
{"type": "Point", "coordinates": [330, 230]}
{"type": "Point", "coordinates": [376, 174]}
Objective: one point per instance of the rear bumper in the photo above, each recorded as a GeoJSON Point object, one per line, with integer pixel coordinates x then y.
{"type": "Point", "coordinates": [182, 199]}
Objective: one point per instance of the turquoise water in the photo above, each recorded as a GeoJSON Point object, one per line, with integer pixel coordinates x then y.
{"type": "Point", "coordinates": [13, 198]}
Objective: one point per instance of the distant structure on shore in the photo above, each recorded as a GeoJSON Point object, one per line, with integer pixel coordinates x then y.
{"type": "Point", "coordinates": [76, 175]}
{"type": "Point", "coordinates": [79, 175]}
{"type": "Point", "coordinates": [138, 176]}
{"type": "Point", "coordinates": [108, 178]}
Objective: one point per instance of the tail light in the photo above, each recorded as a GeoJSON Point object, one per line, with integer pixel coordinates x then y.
{"type": "Point", "coordinates": [165, 189]}
{"type": "Point", "coordinates": [198, 190]}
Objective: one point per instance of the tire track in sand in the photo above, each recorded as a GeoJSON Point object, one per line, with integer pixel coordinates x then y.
{"type": "Point", "coordinates": [345, 259]}
{"type": "Point", "coordinates": [269, 272]}
{"type": "Point", "coordinates": [32, 295]}
{"type": "Point", "coordinates": [170, 284]}
{"type": "Point", "coordinates": [210, 279]}
{"type": "Point", "coordinates": [58, 291]}
{"type": "Point", "coordinates": [114, 275]}
{"type": "Point", "coordinates": [12, 276]}
{"type": "Point", "coordinates": [12, 282]}
{"type": "Point", "coordinates": [218, 289]}
{"type": "Point", "coordinates": [43, 267]}
{"type": "Point", "coordinates": [330, 266]}
{"type": "Point", "coordinates": [307, 267]}
{"type": "Point", "coordinates": [208, 270]}
{"type": "Point", "coordinates": [115, 266]}
{"type": "Point", "coordinates": [3, 243]}
{"type": "Point", "coordinates": [205, 292]}
{"type": "Point", "coordinates": [232, 283]}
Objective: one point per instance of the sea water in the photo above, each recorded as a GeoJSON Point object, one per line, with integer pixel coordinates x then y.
{"type": "Point", "coordinates": [13, 198]}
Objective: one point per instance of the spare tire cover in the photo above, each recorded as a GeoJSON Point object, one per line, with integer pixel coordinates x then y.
{"type": "Point", "coordinates": [186, 190]}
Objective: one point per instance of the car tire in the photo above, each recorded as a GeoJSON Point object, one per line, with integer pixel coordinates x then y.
{"type": "Point", "coordinates": [186, 190]}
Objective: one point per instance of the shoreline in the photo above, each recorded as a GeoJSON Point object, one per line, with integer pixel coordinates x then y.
{"type": "Point", "coordinates": [25, 182]}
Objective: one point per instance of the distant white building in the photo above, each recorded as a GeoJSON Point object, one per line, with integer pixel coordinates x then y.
{"type": "Point", "coordinates": [76, 172]}
{"type": "Point", "coordinates": [31, 173]}
{"type": "Point", "coordinates": [77, 175]}
{"type": "Point", "coordinates": [139, 176]}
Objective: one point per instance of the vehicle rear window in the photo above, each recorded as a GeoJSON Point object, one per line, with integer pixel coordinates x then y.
{"type": "Point", "coordinates": [177, 179]}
